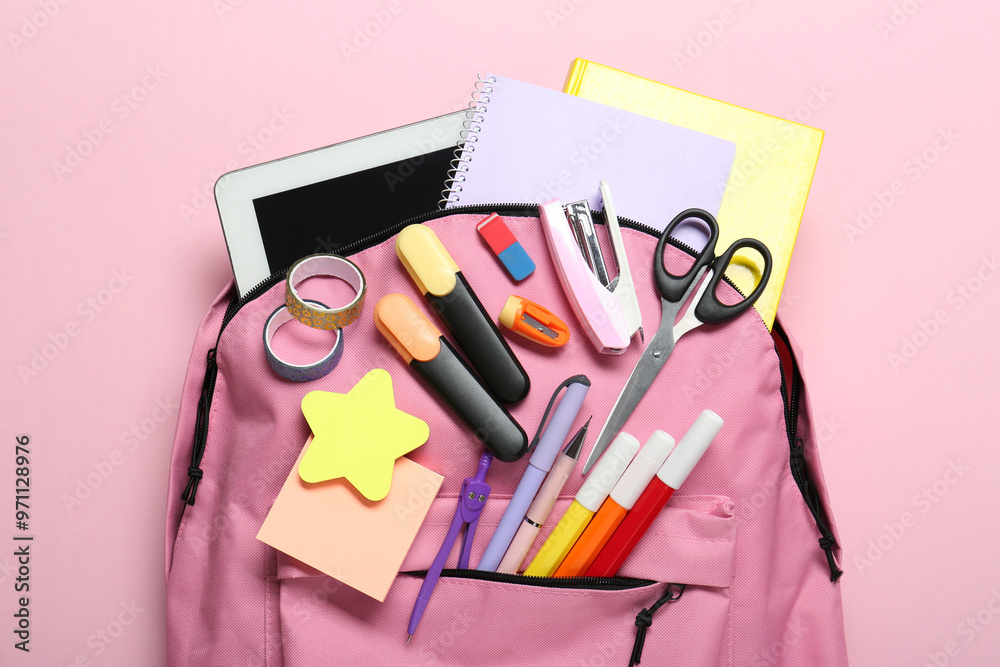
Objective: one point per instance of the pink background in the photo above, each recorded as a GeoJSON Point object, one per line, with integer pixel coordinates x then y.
{"type": "Point", "coordinates": [113, 262]}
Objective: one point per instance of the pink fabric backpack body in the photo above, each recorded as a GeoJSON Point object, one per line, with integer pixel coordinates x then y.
{"type": "Point", "coordinates": [740, 568]}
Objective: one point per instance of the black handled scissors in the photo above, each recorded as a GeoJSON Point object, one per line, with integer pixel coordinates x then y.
{"type": "Point", "coordinates": [674, 291]}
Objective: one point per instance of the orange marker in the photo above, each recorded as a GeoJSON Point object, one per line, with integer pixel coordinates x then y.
{"type": "Point", "coordinates": [635, 478]}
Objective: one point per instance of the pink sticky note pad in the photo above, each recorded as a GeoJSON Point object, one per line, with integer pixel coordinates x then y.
{"type": "Point", "coordinates": [331, 527]}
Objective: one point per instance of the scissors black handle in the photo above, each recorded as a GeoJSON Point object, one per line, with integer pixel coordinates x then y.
{"type": "Point", "coordinates": [709, 309]}
{"type": "Point", "coordinates": [671, 287]}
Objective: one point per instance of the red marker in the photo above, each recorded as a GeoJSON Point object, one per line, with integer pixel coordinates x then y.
{"type": "Point", "coordinates": [668, 479]}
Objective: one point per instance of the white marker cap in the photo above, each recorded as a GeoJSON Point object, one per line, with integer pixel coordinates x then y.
{"type": "Point", "coordinates": [642, 469]}
{"type": "Point", "coordinates": [607, 472]}
{"type": "Point", "coordinates": [690, 449]}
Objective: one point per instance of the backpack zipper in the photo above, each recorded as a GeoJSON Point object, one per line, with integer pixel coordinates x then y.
{"type": "Point", "coordinates": [571, 583]}
{"type": "Point", "coordinates": [201, 428]}
{"type": "Point", "coordinates": [643, 620]}
{"type": "Point", "coordinates": [797, 460]}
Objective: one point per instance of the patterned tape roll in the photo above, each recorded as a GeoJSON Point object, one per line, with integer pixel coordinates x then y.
{"type": "Point", "coordinates": [299, 372]}
{"type": "Point", "coordinates": [324, 265]}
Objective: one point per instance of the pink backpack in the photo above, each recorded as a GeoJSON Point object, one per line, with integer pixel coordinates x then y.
{"type": "Point", "coordinates": [740, 568]}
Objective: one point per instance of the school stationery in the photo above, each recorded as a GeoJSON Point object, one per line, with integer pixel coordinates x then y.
{"type": "Point", "coordinates": [674, 291]}
{"type": "Point", "coordinates": [471, 500]}
{"type": "Point", "coordinates": [772, 171]}
{"type": "Point", "coordinates": [588, 500]}
{"type": "Point", "coordinates": [430, 354]}
{"type": "Point", "coordinates": [621, 285]}
{"type": "Point", "coordinates": [546, 448]}
{"type": "Point", "coordinates": [440, 280]}
{"type": "Point", "coordinates": [609, 320]}
{"type": "Point", "coordinates": [230, 597]}
{"type": "Point", "coordinates": [531, 144]}
{"type": "Point", "coordinates": [324, 265]}
{"type": "Point", "coordinates": [597, 310]}
{"type": "Point", "coordinates": [320, 201]}
{"type": "Point", "coordinates": [543, 503]}
{"type": "Point", "coordinates": [359, 435]}
{"type": "Point", "coordinates": [506, 247]}
{"type": "Point", "coordinates": [662, 486]}
{"type": "Point", "coordinates": [532, 321]}
{"type": "Point", "coordinates": [299, 372]}
{"type": "Point", "coordinates": [330, 527]}
{"type": "Point", "coordinates": [621, 499]}
{"type": "Point", "coordinates": [315, 314]}
{"type": "Point", "coordinates": [581, 223]}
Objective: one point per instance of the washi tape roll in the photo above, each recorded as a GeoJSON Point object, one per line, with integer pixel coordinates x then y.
{"type": "Point", "coordinates": [299, 372]}
{"type": "Point", "coordinates": [324, 265]}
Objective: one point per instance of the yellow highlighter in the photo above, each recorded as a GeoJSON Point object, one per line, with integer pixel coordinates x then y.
{"type": "Point", "coordinates": [588, 500]}
{"type": "Point", "coordinates": [447, 292]}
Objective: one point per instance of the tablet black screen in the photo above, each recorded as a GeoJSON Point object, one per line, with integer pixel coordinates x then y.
{"type": "Point", "coordinates": [327, 215]}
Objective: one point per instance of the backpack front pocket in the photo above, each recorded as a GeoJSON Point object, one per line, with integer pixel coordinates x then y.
{"type": "Point", "coordinates": [485, 618]}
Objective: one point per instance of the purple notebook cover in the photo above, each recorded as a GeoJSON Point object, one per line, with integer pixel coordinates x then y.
{"type": "Point", "coordinates": [534, 144]}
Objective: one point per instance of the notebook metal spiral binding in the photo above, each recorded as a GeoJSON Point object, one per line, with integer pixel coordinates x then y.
{"type": "Point", "coordinates": [467, 142]}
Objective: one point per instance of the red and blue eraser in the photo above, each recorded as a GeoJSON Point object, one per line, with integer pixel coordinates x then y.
{"type": "Point", "coordinates": [505, 245]}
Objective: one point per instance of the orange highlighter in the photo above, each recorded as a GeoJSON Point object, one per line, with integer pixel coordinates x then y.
{"type": "Point", "coordinates": [636, 477]}
{"type": "Point", "coordinates": [427, 352]}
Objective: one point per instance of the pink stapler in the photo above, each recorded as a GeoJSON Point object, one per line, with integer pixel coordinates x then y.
{"type": "Point", "coordinates": [607, 309]}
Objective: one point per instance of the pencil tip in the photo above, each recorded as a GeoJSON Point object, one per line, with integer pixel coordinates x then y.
{"type": "Point", "coordinates": [576, 444]}
{"type": "Point", "coordinates": [408, 638]}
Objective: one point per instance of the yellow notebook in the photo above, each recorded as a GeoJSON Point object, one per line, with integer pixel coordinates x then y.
{"type": "Point", "coordinates": [774, 165]}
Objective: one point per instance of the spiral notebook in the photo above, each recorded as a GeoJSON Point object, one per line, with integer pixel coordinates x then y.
{"type": "Point", "coordinates": [529, 144]}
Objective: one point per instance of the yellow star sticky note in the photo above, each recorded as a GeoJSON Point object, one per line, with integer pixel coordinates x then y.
{"type": "Point", "coordinates": [359, 435]}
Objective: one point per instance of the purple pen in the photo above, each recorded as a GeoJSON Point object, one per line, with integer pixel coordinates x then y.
{"type": "Point", "coordinates": [544, 455]}
{"type": "Point", "coordinates": [473, 497]}
{"type": "Point", "coordinates": [542, 505]}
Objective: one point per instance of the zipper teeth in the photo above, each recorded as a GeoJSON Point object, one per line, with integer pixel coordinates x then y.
{"type": "Point", "coordinates": [238, 302]}
{"type": "Point", "coordinates": [797, 466]}
{"type": "Point", "coordinates": [793, 399]}
{"type": "Point", "coordinates": [797, 461]}
{"type": "Point", "coordinates": [786, 404]}
{"type": "Point", "coordinates": [592, 583]}
{"type": "Point", "coordinates": [790, 395]}
{"type": "Point", "coordinates": [525, 210]}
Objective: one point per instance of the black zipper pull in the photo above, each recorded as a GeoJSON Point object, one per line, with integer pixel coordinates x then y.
{"type": "Point", "coordinates": [195, 472]}
{"type": "Point", "coordinates": [644, 619]}
{"type": "Point", "coordinates": [827, 542]}
{"type": "Point", "coordinates": [791, 384]}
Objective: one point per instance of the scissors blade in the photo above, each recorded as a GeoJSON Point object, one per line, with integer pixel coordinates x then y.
{"type": "Point", "coordinates": [653, 358]}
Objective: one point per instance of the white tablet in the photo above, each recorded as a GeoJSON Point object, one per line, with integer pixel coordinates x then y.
{"type": "Point", "coordinates": [277, 212]}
